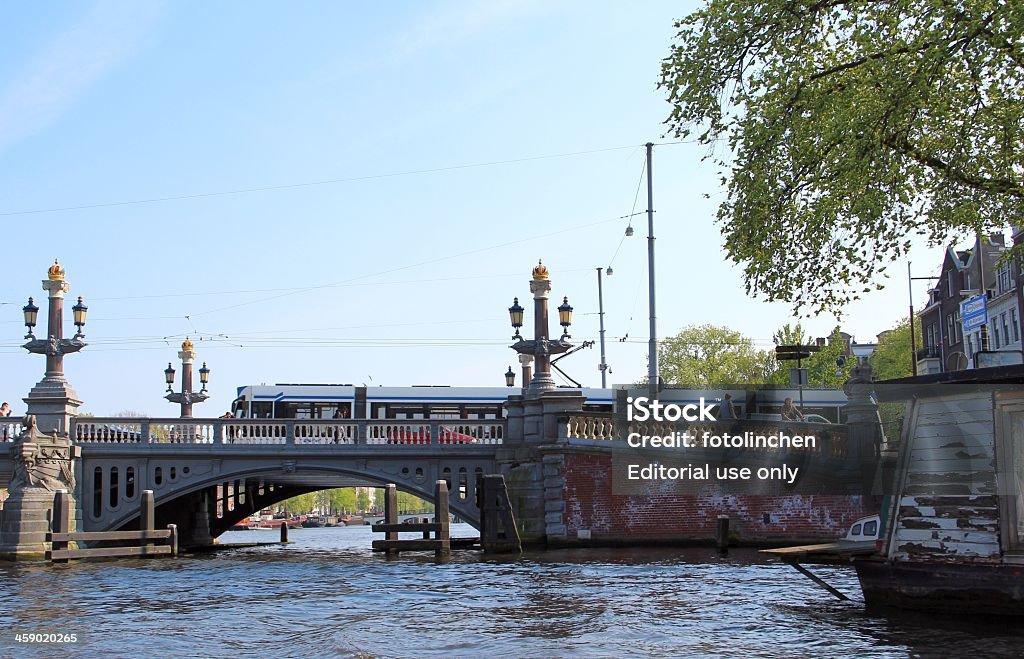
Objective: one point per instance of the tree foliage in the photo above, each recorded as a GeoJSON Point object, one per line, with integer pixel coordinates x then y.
{"type": "Point", "coordinates": [893, 358]}
{"type": "Point", "coordinates": [711, 357]}
{"type": "Point", "coordinates": [822, 370]}
{"type": "Point", "coordinates": [852, 125]}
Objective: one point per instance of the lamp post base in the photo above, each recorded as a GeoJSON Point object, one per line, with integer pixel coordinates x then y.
{"type": "Point", "coordinates": [53, 402]}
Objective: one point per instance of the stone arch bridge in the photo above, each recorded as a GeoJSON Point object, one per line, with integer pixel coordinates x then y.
{"type": "Point", "coordinates": [209, 474]}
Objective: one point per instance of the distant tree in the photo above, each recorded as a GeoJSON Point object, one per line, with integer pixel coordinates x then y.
{"type": "Point", "coordinates": [362, 500]}
{"type": "Point", "coordinates": [410, 503]}
{"type": "Point", "coordinates": [822, 370]}
{"type": "Point", "coordinates": [893, 357]}
{"type": "Point", "coordinates": [710, 357]}
{"type": "Point", "coordinates": [845, 128]}
{"type": "Point", "coordinates": [301, 504]}
{"type": "Point", "coordinates": [378, 498]}
{"type": "Point", "coordinates": [343, 500]}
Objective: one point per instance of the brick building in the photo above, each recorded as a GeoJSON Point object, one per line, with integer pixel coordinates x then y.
{"type": "Point", "coordinates": [965, 274]}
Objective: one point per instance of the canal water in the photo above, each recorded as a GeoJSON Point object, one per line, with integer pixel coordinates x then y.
{"type": "Point", "coordinates": [328, 595]}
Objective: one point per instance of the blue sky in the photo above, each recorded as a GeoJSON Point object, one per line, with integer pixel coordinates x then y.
{"type": "Point", "coordinates": [420, 157]}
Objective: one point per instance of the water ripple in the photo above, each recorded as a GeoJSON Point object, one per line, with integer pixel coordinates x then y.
{"type": "Point", "coordinates": [328, 595]}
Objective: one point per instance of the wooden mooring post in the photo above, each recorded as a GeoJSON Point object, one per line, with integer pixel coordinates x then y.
{"type": "Point", "coordinates": [722, 534]}
{"type": "Point", "coordinates": [62, 536]}
{"type": "Point", "coordinates": [440, 527]}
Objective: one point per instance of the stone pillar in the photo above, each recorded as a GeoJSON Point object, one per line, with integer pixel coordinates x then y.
{"type": "Point", "coordinates": [540, 286]}
{"type": "Point", "coordinates": [534, 481]}
{"type": "Point", "coordinates": [201, 534]}
{"type": "Point", "coordinates": [43, 464]}
{"type": "Point", "coordinates": [526, 361]}
{"type": "Point", "coordinates": [863, 424]}
{"type": "Point", "coordinates": [187, 355]}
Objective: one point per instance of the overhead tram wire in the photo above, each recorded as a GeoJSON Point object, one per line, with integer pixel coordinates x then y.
{"type": "Point", "coordinates": [306, 184]}
{"type": "Point", "coordinates": [439, 259]}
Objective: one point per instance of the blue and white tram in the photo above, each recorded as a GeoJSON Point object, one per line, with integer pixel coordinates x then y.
{"type": "Point", "coordinates": [343, 401]}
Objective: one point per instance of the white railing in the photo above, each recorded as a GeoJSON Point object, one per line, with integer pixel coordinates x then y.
{"type": "Point", "coordinates": [138, 430]}
{"type": "Point", "coordinates": [10, 427]}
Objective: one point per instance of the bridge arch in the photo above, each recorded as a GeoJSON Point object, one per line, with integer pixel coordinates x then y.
{"type": "Point", "coordinates": [195, 498]}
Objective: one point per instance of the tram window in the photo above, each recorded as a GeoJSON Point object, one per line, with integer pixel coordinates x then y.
{"type": "Point", "coordinates": [262, 410]}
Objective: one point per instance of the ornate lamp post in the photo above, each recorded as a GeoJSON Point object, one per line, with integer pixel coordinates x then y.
{"type": "Point", "coordinates": [52, 400]}
{"type": "Point", "coordinates": [510, 378]}
{"type": "Point", "coordinates": [541, 347]}
{"type": "Point", "coordinates": [187, 397]}
{"type": "Point", "coordinates": [43, 454]}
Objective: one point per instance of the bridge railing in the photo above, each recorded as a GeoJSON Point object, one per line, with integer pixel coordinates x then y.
{"type": "Point", "coordinates": [10, 426]}
{"type": "Point", "coordinates": [141, 430]}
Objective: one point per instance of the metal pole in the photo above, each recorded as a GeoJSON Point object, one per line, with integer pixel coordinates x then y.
{"type": "Point", "coordinates": [981, 283]}
{"type": "Point", "coordinates": [652, 358]}
{"type": "Point", "coordinates": [913, 340]}
{"type": "Point", "coordinates": [600, 314]}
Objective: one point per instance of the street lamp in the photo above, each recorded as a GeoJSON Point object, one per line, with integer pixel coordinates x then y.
{"type": "Point", "coordinates": [515, 312]}
{"type": "Point", "coordinates": [31, 312]}
{"type": "Point", "coordinates": [79, 310]}
{"type": "Point", "coordinates": [52, 400]}
{"type": "Point", "coordinates": [510, 377]}
{"type": "Point", "coordinates": [187, 397]}
{"type": "Point", "coordinates": [540, 348]}
{"type": "Point", "coordinates": [55, 346]}
{"type": "Point", "coordinates": [565, 317]}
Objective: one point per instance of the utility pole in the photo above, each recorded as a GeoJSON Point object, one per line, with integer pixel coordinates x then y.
{"type": "Point", "coordinates": [600, 316]}
{"type": "Point", "coordinates": [913, 340]}
{"type": "Point", "coordinates": [652, 359]}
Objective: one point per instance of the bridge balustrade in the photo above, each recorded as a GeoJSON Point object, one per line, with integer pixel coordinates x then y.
{"type": "Point", "coordinates": [139, 430]}
{"type": "Point", "coordinates": [10, 426]}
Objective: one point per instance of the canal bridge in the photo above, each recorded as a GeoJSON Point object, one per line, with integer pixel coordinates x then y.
{"type": "Point", "coordinates": [562, 465]}
{"type": "Point", "coordinates": [209, 474]}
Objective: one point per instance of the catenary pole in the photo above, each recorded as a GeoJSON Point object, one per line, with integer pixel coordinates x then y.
{"type": "Point", "coordinates": [652, 359]}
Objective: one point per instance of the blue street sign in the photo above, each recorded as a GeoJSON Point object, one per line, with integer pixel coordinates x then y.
{"type": "Point", "coordinates": [974, 312]}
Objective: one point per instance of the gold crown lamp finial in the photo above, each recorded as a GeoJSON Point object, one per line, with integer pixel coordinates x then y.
{"type": "Point", "coordinates": [56, 271]}
{"type": "Point", "coordinates": [540, 271]}
{"type": "Point", "coordinates": [186, 345]}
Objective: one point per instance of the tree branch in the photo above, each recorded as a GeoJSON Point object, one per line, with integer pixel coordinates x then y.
{"type": "Point", "coordinates": [1004, 186]}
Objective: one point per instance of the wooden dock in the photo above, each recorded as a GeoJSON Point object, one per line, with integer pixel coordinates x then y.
{"type": "Point", "coordinates": [830, 553]}
{"type": "Point", "coordinates": [440, 543]}
{"type": "Point", "coordinates": [143, 540]}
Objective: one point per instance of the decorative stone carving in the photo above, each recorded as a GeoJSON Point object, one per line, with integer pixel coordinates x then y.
{"type": "Point", "coordinates": [40, 460]}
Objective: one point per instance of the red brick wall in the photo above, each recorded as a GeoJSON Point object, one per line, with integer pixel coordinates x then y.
{"type": "Point", "coordinates": [660, 515]}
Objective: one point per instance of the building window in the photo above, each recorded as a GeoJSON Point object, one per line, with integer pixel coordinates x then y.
{"type": "Point", "coordinates": [1004, 280]}
{"type": "Point", "coordinates": [995, 334]}
{"type": "Point", "coordinates": [958, 327]}
{"type": "Point", "coordinates": [1014, 325]}
{"type": "Point", "coordinates": [950, 333]}
{"type": "Point", "coordinates": [950, 289]}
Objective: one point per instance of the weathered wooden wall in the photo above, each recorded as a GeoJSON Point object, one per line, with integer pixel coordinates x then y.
{"type": "Point", "coordinates": [948, 508]}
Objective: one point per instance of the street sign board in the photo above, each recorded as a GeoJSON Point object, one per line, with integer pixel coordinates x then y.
{"type": "Point", "coordinates": [798, 377]}
{"type": "Point", "coordinates": [792, 352]}
{"type": "Point", "coordinates": [974, 312]}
